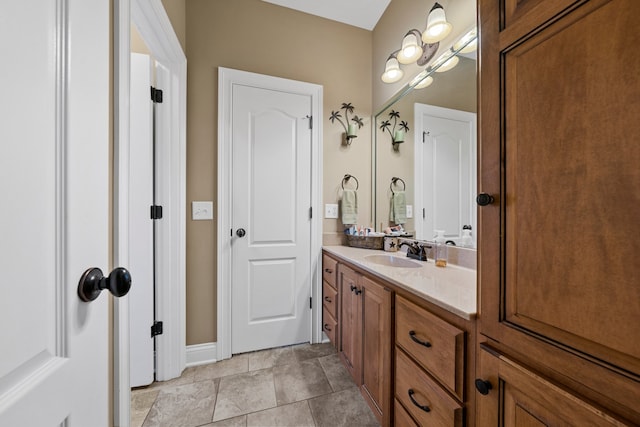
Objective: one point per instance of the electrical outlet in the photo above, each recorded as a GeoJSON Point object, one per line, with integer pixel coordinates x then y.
{"type": "Point", "coordinates": [330, 210]}
{"type": "Point", "coordinates": [409, 211]}
{"type": "Point", "coordinates": [201, 211]}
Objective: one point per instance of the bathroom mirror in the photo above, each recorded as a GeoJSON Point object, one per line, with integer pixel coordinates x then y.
{"type": "Point", "coordinates": [437, 165]}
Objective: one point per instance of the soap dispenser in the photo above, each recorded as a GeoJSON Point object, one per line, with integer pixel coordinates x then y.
{"type": "Point", "coordinates": [441, 248]}
{"type": "Point", "coordinates": [466, 241]}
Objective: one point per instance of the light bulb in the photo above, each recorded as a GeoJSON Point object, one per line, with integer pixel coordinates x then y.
{"type": "Point", "coordinates": [411, 49]}
{"type": "Point", "coordinates": [437, 26]}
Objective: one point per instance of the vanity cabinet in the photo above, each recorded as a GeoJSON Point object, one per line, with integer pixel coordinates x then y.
{"type": "Point", "coordinates": [365, 337]}
{"type": "Point", "coordinates": [559, 342]}
{"type": "Point", "coordinates": [330, 299]}
{"type": "Point", "coordinates": [404, 353]}
{"type": "Point", "coordinates": [429, 366]}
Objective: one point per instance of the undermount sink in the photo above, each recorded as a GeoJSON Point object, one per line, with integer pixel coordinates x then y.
{"type": "Point", "coordinates": [392, 261]}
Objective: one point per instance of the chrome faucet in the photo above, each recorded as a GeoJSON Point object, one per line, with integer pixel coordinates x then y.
{"type": "Point", "coordinates": [416, 250]}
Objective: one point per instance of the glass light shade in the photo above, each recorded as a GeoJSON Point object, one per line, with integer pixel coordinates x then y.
{"type": "Point", "coordinates": [392, 72]}
{"type": "Point", "coordinates": [446, 63]}
{"type": "Point", "coordinates": [470, 40]}
{"type": "Point", "coordinates": [437, 26]}
{"type": "Point", "coordinates": [424, 83]}
{"type": "Point", "coordinates": [411, 49]}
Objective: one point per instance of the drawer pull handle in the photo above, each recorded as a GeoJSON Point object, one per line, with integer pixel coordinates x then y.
{"type": "Point", "coordinates": [412, 335]}
{"type": "Point", "coordinates": [483, 386]}
{"type": "Point", "coordinates": [326, 327]}
{"type": "Point", "coordinates": [425, 408]}
{"type": "Point", "coordinates": [327, 299]}
{"type": "Point", "coordinates": [328, 270]}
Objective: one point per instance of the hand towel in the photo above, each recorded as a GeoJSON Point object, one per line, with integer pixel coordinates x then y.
{"type": "Point", "coordinates": [349, 207]}
{"type": "Point", "coordinates": [398, 211]}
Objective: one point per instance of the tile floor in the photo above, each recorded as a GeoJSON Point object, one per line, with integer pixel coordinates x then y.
{"type": "Point", "coordinates": [303, 385]}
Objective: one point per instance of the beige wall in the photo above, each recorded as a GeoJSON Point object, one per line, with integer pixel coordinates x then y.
{"type": "Point", "coordinates": [176, 11]}
{"type": "Point", "coordinates": [256, 36]}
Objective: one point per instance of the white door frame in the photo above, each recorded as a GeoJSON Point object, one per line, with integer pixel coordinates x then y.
{"type": "Point", "coordinates": [226, 79]}
{"type": "Point", "coordinates": [152, 22]}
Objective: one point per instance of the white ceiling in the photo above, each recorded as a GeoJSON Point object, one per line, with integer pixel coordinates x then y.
{"type": "Point", "coordinates": [359, 13]}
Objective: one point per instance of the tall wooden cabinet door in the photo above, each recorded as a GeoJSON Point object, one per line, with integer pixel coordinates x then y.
{"type": "Point", "coordinates": [350, 348]}
{"type": "Point", "coordinates": [559, 108]}
{"type": "Point", "coordinates": [519, 397]}
{"type": "Point", "coordinates": [376, 348]}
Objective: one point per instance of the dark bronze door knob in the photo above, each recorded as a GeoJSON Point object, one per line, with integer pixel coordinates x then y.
{"type": "Point", "coordinates": [93, 282]}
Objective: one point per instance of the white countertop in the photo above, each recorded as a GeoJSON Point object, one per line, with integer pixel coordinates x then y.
{"type": "Point", "coordinates": [452, 288]}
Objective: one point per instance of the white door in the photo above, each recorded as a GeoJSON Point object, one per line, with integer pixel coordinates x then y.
{"type": "Point", "coordinates": [141, 296]}
{"type": "Point", "coordinates": [271, 275]}
{"type": "Point", "coordinates": [448, 168]}
{"type": "Point", "coordinates": [54, 219]}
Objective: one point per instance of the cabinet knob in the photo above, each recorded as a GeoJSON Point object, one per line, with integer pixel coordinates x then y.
{"type": "Point", "coordinates": [353, 288]}
{"type": "Point", "coordinates": [484, 199]}
{"type": "Point", "coordinates": [328, 270]}
{"type": "Point", "coordinates": [425, 408]}
{"type": "Point", "coordinates": [483, 386]}
{"type": "Point", "coordinates": [326, 327]}
{"type": "Point", "coordinates": [358, 291]}
{"type": "Point", "coordinates": [327, 299]}
{"type": "Point", "coordinates": [412, 335]}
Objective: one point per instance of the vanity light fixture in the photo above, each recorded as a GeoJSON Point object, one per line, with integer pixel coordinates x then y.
{"type": "Point", "coordinates": [437, 26]}
{"type": "Point", "coordinates": [392, 72]}
{"type": "Point", "coordinates": [411, 47]}
{"type": "Point", "coordinates": [445, 62]}
{"type": "Point", "coordinates": [467, 43]}
{"type": "Point", "coordinates": [424, 83]}
{"type": "Point", "coordinates": [350, 129]}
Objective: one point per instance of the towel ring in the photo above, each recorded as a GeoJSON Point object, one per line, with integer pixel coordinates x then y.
{"type": "Point", "coordinates": [347, 177]}
{"type": "Point", "coordinates": [395, 180]}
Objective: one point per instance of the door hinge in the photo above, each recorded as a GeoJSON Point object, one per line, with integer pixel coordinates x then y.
{"type": "Point", "coordinates": [156, 212]}
{"type": "Point", "coordinates": [156, 95]}
{"type": "Point", "coordinates": [310, 303]}
{"type": "Point", "coordinates": [156, 329]}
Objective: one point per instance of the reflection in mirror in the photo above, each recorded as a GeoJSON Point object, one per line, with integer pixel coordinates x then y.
{"type": "Point", "coordinates": [438, 158]}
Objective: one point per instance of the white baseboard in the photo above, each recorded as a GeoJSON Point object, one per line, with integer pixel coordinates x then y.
{"type": "Point", "coordinates": [201, 354]}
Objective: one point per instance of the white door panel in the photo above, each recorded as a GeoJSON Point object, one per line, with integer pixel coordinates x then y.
{"type": "Point", "coordinates": [271, 199]}
{"type": "Point", "coordinates": [446, 170]}
{"type": "Point", "coordinates": [54, 219]}
{"type": "Point", "coordinates": [141, 295]}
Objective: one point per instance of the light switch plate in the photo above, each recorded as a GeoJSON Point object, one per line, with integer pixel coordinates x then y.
{"type": "Point", "coordinates": [330, 210]}
{"type": "Point", "coordinates": [409, 211]}
{"type": "Point", "coordinates": [201, 211]}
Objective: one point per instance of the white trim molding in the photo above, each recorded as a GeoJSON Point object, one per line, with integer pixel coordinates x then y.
{"type": "Point", "coordinates": [202, 354]}
{"type": "Point", "coordinates": [151, 20]}
{"type": "Point", "coordinates": [226, 79]}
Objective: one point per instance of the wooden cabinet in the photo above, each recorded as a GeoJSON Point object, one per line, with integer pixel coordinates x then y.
{"type": "Point", "coordinates": [429, 366]}
{"type": "Point", "coordinates": [560, 301]}
{"type": "Point", "coordinates": [365, 338]}
{"type": "Point", "coordinates": [330, 299]}
{"type": "Point", "coordinates": [392, 342]}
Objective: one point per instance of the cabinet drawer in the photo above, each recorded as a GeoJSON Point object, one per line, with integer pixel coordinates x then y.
{"type": "Point", "coordinates": [329, 325]}
{"type": "Point", "coordinates": [424, 399]}
{"type": "Point", "coordinates": [330, 270]}
{"type": "Point", "coordinates": [435, 344]}
{"type": "Point", "coordinates": [401, 417]}
{"type": "Point", "coordinates": [330, 299]}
